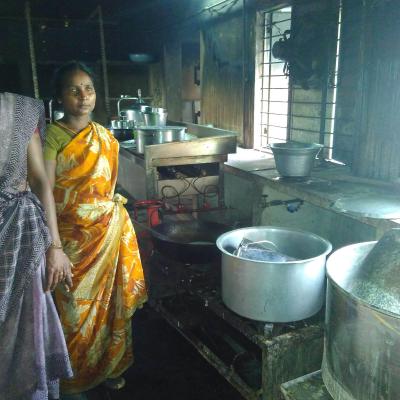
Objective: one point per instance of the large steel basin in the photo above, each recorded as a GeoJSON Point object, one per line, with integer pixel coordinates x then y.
{"type": "Point", "coordinates": [274, 291]}
{"type": "Point", "coordinates": [362, 342]}
{"type": "Point", "coordinates": [148, 135]}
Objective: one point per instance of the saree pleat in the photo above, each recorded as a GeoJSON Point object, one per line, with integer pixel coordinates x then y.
{"type": "Point", "coordinates": [99, 238]}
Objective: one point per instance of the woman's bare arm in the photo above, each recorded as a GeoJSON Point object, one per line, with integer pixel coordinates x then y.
{"type": "Point", "coordinates": [58, 264]}
{"type": "Point", "coordinates": [50, 166]}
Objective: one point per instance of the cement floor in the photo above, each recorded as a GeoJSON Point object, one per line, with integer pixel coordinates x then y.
{"type": "Point", "coordinates": [166, 367]}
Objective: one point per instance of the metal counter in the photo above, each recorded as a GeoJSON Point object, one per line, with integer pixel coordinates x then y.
{"type": "Point", "coordinates": [138, 173]}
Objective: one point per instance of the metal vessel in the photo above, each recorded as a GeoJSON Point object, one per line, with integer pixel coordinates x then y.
{"type": "Point", "coordinates": [274, 291]}
{"type": "Point", "coordinates": [362, 342]}
{"type": "Point", "coordinates": [155, 116]}
{"type": "Point", "coordinates": [295, 159]}
{"type": "Point", "coordinates": [148, 135]}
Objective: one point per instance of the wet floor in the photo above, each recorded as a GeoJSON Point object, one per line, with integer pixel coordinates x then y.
{"type": "Point", "coordinates": [166, 367]}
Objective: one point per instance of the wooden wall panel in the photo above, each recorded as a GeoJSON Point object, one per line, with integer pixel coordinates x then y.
{"type": "Point", "coordinates": [222, 76]}
{"type": "Point", "coordinates": [350, 84]}
{"type": "Point", "coordinates": [378, 142]}
{"type": "Point", "coordinates": [173, 79]}
{"type": "Point", "coordinates": [156, 85]}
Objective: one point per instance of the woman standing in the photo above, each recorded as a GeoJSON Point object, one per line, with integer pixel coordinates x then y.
{"type": "Point", "coordinates": [81, 159]}
{"type": "Point", "coordinates": [33, 354]}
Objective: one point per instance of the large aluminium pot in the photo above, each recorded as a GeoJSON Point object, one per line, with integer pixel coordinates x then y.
{"type": "Point", "coordinates": [362, 342]}
{"type": "Point", "coordinates": [274, 291]}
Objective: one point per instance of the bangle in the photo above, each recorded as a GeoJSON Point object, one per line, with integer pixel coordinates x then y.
{"type": "Point", "coordinates": [54, 245]}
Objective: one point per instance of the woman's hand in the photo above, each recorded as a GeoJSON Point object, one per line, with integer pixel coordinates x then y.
{"type": "Point", "coordinates": [58, 269]}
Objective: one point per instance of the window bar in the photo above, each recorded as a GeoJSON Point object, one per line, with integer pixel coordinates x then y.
{"type": "Point", "coordinates": [269, 70]}
{"type": "Point", "coordinates": [336, 76]}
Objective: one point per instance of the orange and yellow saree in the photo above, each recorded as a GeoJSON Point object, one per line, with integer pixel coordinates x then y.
{"type": "Point", "coordinates": [99, 239]}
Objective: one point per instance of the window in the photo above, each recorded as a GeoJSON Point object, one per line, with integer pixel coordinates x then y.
{"type": "Point", "coordinates": [285, 110]}
{"type": "Point", "coordinates": [273, 85]}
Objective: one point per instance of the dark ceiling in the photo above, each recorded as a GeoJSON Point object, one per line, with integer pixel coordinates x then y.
{"type": "Point", "coordinates": [62, 29]}
{"type": "Point", "coordinates": [74, 9]}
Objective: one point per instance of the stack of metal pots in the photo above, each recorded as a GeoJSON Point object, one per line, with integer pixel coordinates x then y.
{"type": "Point", "coordinates": [362, 342]}
{"type": "Point", "coordinates": [148, 125]}
{"type": "Point", "coordinates": [143, 115]}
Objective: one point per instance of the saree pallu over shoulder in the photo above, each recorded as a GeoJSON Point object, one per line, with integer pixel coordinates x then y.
{"type": "Point", "coordinates": [98, 237]}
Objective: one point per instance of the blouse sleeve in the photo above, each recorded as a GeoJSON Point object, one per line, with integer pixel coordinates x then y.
{"type": "Point", "coordinates": [51, 146]}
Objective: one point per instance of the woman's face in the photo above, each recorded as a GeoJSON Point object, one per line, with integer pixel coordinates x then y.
{"type": "Point", "coordinates": [78, 96]}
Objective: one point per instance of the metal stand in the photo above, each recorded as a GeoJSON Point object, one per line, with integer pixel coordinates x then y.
{"type": "Point", "coordinates": [254, 357]}
{"type": "Point", "coordinates": [307, 387]}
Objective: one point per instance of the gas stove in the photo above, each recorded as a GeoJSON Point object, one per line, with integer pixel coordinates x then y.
{"type": "Point", "coordinates": [255, 357]}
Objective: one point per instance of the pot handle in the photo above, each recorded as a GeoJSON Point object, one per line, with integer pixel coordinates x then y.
{"type": "Point", "coordinates": [122, 98]}
{"type": "Point", "coordinates": [271, 244]}
{"type": "Point", "coordinates": [245, 243]}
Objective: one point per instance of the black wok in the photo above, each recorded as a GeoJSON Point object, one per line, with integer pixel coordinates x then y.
{"type": "Point", "coordinates": [122, 134]}
{"type": "Point", "coordinates": [188, 241]}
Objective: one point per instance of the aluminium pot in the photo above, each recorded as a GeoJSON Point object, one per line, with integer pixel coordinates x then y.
{"type": "Point", "coordinates": [155, 117]}
{"type": "Point", "coordinates": [362, 342]}
{"type": "Point", "coordinates": [295, 159]}
{"type": "Point", "coordinates": [133, 115]}
{"type": "Point", "coordinates": [274, 291]}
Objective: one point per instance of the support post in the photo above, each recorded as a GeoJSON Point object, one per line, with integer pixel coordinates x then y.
{"type": "Point", "coordinates": [103, 55]}
{"type": "Point", "coordinates": [31, 49]}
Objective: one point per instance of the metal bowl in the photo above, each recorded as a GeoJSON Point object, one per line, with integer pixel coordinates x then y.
{"type": "Point", "coordinates": [295, 159]}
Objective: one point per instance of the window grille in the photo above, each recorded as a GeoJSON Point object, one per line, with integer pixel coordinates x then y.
{"type": "Point", "coordinates": [274, 84]}
{"type": "Point", "coordinates": [288, 111]}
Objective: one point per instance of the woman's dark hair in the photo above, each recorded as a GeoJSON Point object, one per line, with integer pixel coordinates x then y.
{"type": "Point", "coordinates": [64, 71]}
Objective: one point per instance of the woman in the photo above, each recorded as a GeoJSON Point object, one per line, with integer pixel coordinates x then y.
{"type": "Point", "coordinates": [33, 354]}
{"type": "Point", "coordinates": [81, 159]}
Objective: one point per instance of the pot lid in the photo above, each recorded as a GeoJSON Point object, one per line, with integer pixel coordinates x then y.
{"type": "Point", "coordinates": [370, 205]}
{"type": "Point", "coordinates": [376, 280]}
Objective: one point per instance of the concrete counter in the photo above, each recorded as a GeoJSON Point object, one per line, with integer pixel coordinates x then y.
{"type": "Point", "coordinates": [254, 174]}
